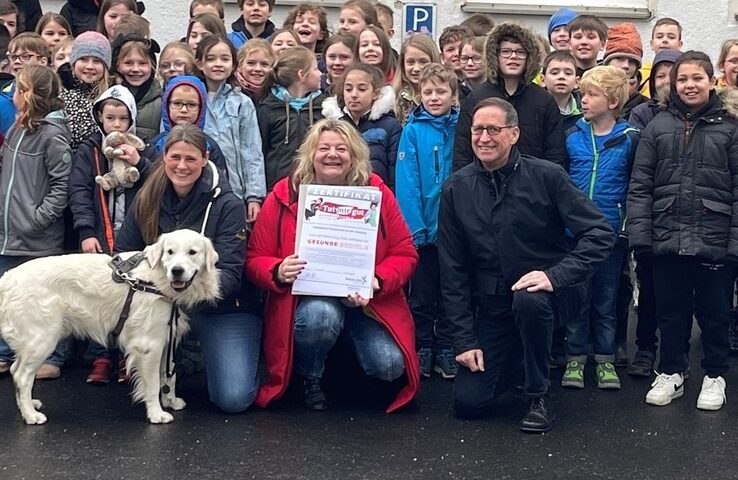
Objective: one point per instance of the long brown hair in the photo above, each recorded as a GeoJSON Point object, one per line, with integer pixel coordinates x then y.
{"type": "Point", "coordinates": [39, 86]}
{"type": "Point", "coordinates": [107, 5]}
{"type": "Point", "coordinates": [148, 200]}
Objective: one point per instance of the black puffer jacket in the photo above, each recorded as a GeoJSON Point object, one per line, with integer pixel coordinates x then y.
{"type": "Point", "coordinates": [683, 196]}
{"type": "Point", "coordinates": [541, 134]}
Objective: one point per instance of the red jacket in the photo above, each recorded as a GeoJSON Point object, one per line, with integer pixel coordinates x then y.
{"type": "Point", "coordinates": [273, 239]}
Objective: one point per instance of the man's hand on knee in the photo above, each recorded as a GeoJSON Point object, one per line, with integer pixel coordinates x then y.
{"type": "Point", "coordinates": [535, 281]}
{"type": "Point", "coordinates": [472, 359]}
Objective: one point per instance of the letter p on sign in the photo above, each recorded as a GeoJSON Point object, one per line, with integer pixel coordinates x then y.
{"type": "Point", "coordinates": [419, 18]}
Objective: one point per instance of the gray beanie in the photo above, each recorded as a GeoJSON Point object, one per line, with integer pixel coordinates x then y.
{"type": "Point", "coordinates": [91, 44]}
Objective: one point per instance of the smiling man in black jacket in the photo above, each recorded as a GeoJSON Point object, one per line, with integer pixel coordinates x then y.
{"type": "Point", "coordinates": [507, 266]}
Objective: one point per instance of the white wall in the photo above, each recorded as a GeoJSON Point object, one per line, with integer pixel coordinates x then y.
{"type": "Point", "coordinates": [706, 23]}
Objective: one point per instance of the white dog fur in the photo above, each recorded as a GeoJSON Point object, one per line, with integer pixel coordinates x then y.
{"type": "Point", "coordinates": [46, 299]}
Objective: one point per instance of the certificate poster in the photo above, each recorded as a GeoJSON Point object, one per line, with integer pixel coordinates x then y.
{"type": "Point", "coordinates": [337, 237]}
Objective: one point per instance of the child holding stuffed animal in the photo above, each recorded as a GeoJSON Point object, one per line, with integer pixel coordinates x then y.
{"type": "Point", "coordinates": [98, 212]}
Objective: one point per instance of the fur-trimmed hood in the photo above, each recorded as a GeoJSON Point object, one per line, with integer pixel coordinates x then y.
{"type": "Point", "coordinates": [384, 104]}
{"type": "Point", "coordinates": [521, 35]}
{"type": "Point", "coordinates": [728, 99]}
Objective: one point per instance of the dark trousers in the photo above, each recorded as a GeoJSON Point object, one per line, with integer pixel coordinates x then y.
{"type": "Point", "coordinates": [515, 336]}
{"type": "Point", "coordinates": [425, 302]}
{"type": "Point", "coordinates": [646, 338]}
{"type": "Point", "coordinates": [687, 286]}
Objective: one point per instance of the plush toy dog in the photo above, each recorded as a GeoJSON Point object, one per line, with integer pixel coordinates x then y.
{"type": "Point", "coordinates": [121, 173]}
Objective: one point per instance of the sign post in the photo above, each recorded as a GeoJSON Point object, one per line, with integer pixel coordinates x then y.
{"type": "Point", "coordinates": [418, 18]}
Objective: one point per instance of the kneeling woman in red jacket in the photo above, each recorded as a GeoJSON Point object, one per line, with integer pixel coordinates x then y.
{"type": "Point", "coordinates": [300, 330]}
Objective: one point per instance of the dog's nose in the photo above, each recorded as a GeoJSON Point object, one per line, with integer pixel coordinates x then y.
{"type": "Point", "coordinates": [177, 271]}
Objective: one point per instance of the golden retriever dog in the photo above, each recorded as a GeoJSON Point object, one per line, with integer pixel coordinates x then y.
{"type": "Point", "coordinates": [46, 299]}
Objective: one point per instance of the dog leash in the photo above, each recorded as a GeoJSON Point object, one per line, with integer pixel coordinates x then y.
{"type": "Point", "coordinates": [172, 343]}
{"type": "Point", "coordinates": [120, 275]}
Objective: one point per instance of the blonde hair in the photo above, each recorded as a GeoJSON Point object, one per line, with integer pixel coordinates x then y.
{"type": "Point", "coordinates": [360, 169]}
{"type": "Point", "coordinates": [39, 86]}
{"type": "Point", "coordinates": [724, 49]}
{"type": "Point", "coordinates": [255, 45]}
{"type": "Point", "coordinates": [611, 80]}
{"type": "Point", "coordinates": [185, 50]}
{"type": "Point", "coordinates": [436, 72]}
{"type": "Point", "coordinates": [420, 42]}
{"type": "Point", "coordinates": [289, 63]}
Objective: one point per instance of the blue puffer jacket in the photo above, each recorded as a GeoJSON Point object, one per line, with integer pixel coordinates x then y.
{"type": "Point", "coordinates": [380, 130]}
{"type": "Point", "coordinates": [231, 121]}
{"type": "Point", "coordinates": [602, 171]}
{"type": "Point", "coordinates": [424, 162]}
{"type": "Point", "coordinates": [216, 155]}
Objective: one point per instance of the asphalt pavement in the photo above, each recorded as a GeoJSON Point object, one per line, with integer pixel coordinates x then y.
{"type": "Point", "coordinates": [95, 432]}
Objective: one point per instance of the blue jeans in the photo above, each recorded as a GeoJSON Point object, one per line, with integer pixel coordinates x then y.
{"type": "Point", "coordinates": [230, 345]}
{"type": "Point", "coordinates": [6, 354]}
{"type": "Point", "coordinates": [318, 323]}
{"type": "Point", "coordinates": [597, 313]}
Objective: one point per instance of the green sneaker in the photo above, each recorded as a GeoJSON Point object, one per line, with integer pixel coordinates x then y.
{"type": "Point", "coordinates": [574, 375]}
{"type": "Point", "coordinates": [607, 377]}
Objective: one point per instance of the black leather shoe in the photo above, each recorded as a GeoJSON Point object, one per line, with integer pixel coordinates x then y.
{"type": "Point", "coordinates": [540, 416]}
{"type": "Point", "coordinates": [314, 395]}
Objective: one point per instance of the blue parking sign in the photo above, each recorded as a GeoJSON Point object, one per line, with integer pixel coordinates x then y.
{"type": "Point", "coordinates": [419, 18]}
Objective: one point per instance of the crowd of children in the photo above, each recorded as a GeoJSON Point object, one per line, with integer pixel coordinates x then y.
{"type": "Point", "coordinates": [654, 146]}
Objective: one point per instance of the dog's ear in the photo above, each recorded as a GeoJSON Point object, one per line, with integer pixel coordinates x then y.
{"type": "Point", "coordinates": [154, 252]}
{"type": "Point", "coordinates": [211, 256]}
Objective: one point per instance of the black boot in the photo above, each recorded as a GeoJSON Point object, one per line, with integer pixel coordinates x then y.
{"type": "Point", "coordinates": [314, 395]}
{"type": "Point", "coordinates": [540, 416]}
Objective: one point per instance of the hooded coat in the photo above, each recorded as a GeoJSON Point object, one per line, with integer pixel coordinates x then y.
{"type": "Point", "coordinates": [643, 113]}
{"type": "Point", "coordinates": [215, 154]}
{"type": "Point", "coordinates": [273, 239]}
{"type": "Point", "coordinates": [240, 35]}
{"type": "Point", "coordinates": [231, 120]}
{"type": "Point", "coordinates": [683, 195]}
{"type": "Point", "coordinates": [95, 212]}
{"type": "Point", "coordinates": [425, 161]}
{"type": "Point", "coordinates": [283, 122]}
{"type": "Point", "coordinates": [34, 172]}
{"type": "Point", "coordinates": [379, 128]}
{"type": "Point", "coordinates": [541, 133]}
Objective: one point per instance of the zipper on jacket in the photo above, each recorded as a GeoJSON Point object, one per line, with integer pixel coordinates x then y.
{"type": "Point", "coordinates": [596, 161]}
{"type": "Point", "coordinates": [437, 164]}
{"type": "Point", "coordinates": [621, 217]}
{"type": "Point", "coordinates": [687, 134]}
{"type": "Point", "coordinates": [10, 188]}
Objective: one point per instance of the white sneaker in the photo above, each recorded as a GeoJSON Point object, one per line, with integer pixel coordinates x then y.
{"type": "Point", "coordinates": [712, 395]}
{"type": "Point", "coordinates": [665, 389]}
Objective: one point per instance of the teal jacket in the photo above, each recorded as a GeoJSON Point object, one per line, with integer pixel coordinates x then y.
{"type": "Point", "coordinates": [424, 162]}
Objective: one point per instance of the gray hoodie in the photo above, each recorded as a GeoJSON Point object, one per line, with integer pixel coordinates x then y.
{"type": "Point", "coordinates": [34, 171]}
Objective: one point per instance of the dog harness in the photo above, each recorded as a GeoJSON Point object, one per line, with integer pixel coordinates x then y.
{"type": "Point", "coordinates": [121, 269]}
